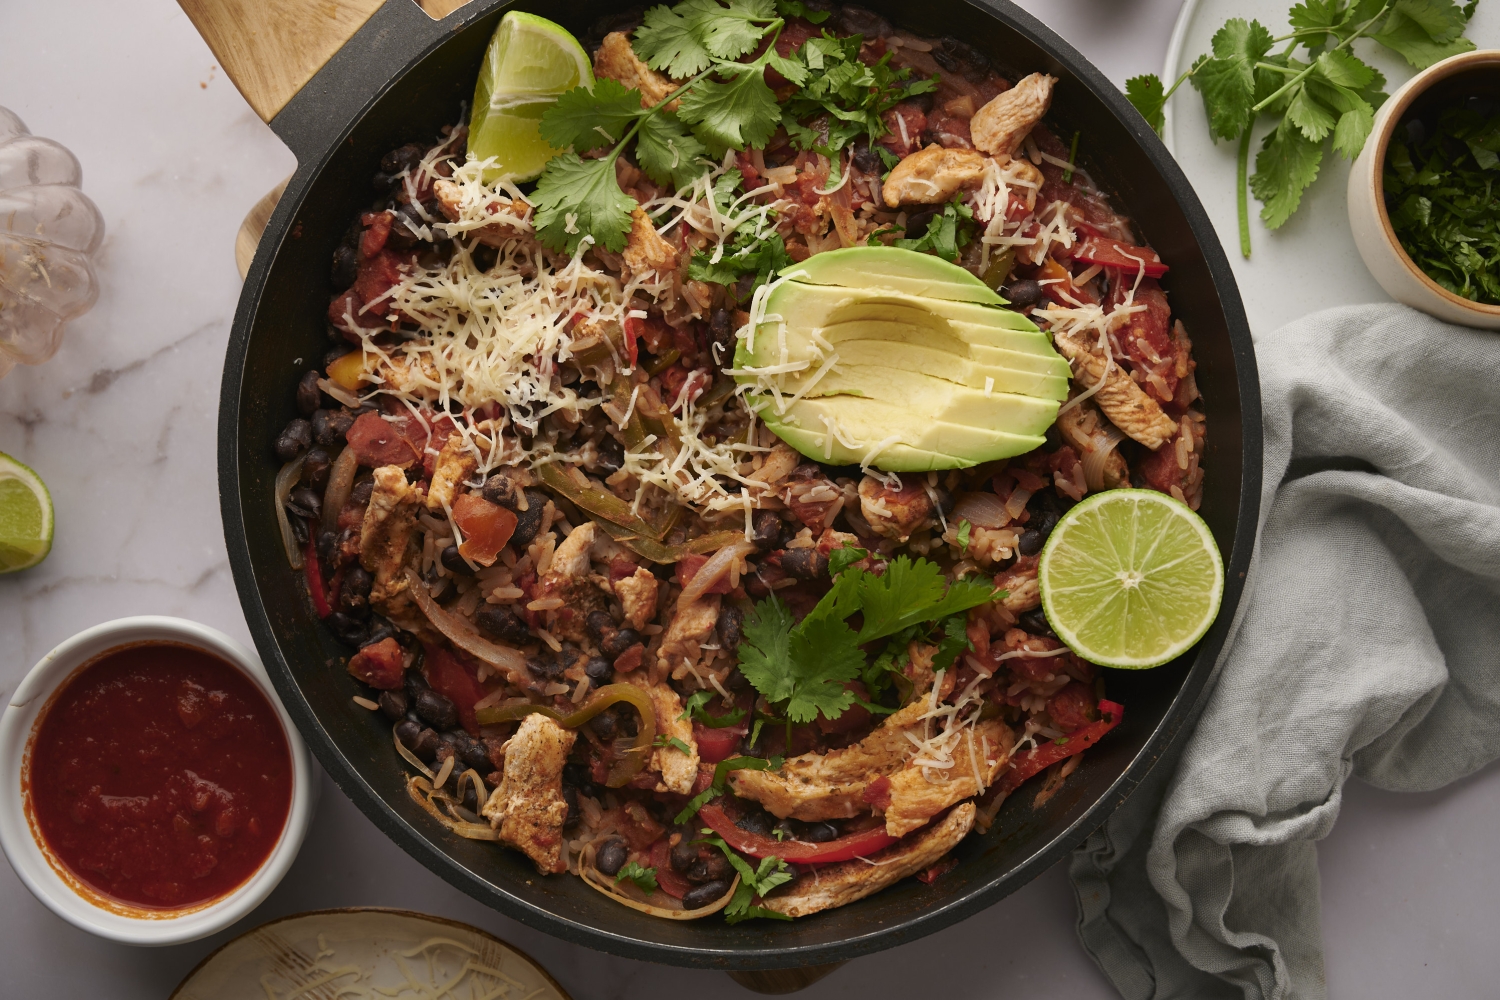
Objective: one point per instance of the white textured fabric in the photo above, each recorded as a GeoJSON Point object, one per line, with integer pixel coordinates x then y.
{"type": "Point", "coordinates": [1368, 643]}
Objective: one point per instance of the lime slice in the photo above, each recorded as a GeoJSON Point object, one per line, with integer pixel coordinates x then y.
{"type": "Point", "coordinates": [1130, 578]}
{"type": "Point", "coordinates": [25, 516]}
{"type": "Point", "coordinates": [530, 62]}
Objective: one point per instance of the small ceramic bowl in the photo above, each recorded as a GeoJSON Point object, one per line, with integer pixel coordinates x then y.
{"type": "Point", "coordinates": [45, 877]}
{"type": "Point", "coordinates": [1473, 73]}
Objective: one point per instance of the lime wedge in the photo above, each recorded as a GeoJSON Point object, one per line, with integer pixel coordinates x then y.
{"type": "Point", "coordinates": [25, 516]}
{"type": "Point", "coordinates": [1130, 578]}
{"type": "Point", "coordinates": [530, 62]}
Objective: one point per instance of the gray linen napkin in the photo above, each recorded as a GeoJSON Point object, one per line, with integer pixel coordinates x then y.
{"type": "Point", "coordinates": [1368, 643]}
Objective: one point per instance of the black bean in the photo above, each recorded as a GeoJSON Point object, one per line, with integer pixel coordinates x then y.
{"type": "Point", "coordinates": [917, 222]}
{"type": "Point", "coordinates": [529, 521]}
{"type": "Point", "coordinates": [610, 858]}
{"type": "Point", "coordinates": [293, 440]}
{"type": "Point", "coordinates": [404, 227]}
{"type": "Point", "coordinates": [453, 562]}
{"type": "Point", "coordinates": [790, 829]}
{"type": "Point", "coordinates": [622, 640]}
{"type": "Point", "coordinates": [1044, 524]}
{"type": "Point", "coordinates": [437, 710]}
{"type": "Point", "coordinates": [1023, 294]}
{"type": "Point", "coordinates": [605, 725]}
{"type": "Point", "coordinates": [766, 530]}
{"type": "Point", "coordinates": [427, 745]}
{"type": "Point", "coordinates": [344, 271]}
{"type": "Point", "coordinates": [852, 20]}
{"type": "Point", "coordinates": [721, 338]}
{"type": "Point", "coordinates": [1035, 622]}
{"type": "Point", "coordinates": [711, 866]}
{"type": "Point", "coordinates": [347, 627]}
{"type": "Point", "coordinates": [961, 57]}
{"type": "Point", "coordinates": [820, 833]}
{"type": "Point", "coordinates": [330, 426]}
{"type": "Point", "coordinates": [599, 670]}
{"type": "Point", "coordinates": [393, 704]}
{"type": "Point", "coordinates": [731, 627]}
{"type": "Point", "coordinates": [500, 622]}
{"type": "Point", "coordinates": [924, 102]}
{"type": "Point", "coordinates": [684, 854]}
{"type": "Point", "coordinates": [378, 630]}
{"type": "Point", "coordinates": [945, 501]}
{"type": "Point", "coordinates": [570, 796]}
{"type": "Point", "coordinates": [471, 752]}
{"type": "Point", "coordinates": [358, 581]}
{"type": "Point", "coordinates": [328, 545]}
{"type": "Point", "coordinates": [756, 822]}
{"type": "Point", "coordinates": [502, 488]}
{"type": "Point", "coordinates": [309, 396]}
{"type": "Point", "coordinates": [703, 895]}
{"type": "Point", "coordinates": [402, 158]}
{"type": "Point", "coordinates": [600, 625]}
{"type": "Point", "coordinates": [1030, 543]}
{"type": "Point", "coordinates": [471, 797]}
{"type": "Point", "coordinates": [736, 681]}
{"type": "Point", "coordinates": [804, 564]}
{"type": "Point", "coordinates": [360, 495]}
{"type": "Point", "coordinates": [611, 455]}
{"type": "Point", "coordinates": [866, 159]}
{"type": "Point", "coordinates": [315, 468]}
{"type": "Point", "coordinates": [309, 500]}
{"type": "Point", "coordinates": [545, 668]}
{"type": "Point", "coordinates": [579, 775]}
{"type": "Point", "coordinates": [408, 732]}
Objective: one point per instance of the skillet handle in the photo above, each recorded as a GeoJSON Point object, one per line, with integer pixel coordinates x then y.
{"type": "Point", "coordinates": [271, 48]}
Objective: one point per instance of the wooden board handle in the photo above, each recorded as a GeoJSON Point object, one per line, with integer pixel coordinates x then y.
{"type": "Point", "coordinates": [271, 48]}
{"type": "Point", "coordinates": [776, 982]}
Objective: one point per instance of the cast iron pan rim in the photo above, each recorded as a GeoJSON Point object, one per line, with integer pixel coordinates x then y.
{"type": "Point", "coordinates": [1180, 713]}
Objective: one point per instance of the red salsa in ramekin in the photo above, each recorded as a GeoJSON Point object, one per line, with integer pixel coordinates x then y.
{"type": "Point", "coordinates": [158, 776]}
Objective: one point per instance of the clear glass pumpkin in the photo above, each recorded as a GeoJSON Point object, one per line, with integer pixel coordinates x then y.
{"type": "Point", "coordinates": [48, 230]}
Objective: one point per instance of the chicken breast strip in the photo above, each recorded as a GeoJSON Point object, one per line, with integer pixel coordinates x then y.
{"type": "Point", "coordinates": [528, 807]}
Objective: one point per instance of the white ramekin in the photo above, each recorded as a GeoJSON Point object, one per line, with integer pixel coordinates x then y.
{"type": "Point", "coordinates": [26, 855]}
{"type": "Point", "coordinates": [1377, 243]}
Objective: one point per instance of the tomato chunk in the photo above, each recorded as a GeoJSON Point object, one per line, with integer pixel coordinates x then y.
{"type": "Point", "coordinates": [486, 527]}
{"type": "Point", "coordinates": [715, 745]}
{"type": "Point", "coordinates": [379, 442]}
{"type": "Point", "coordinates": [854, 845]}
{"type": "Point", "coordinates": [1117, 254]}
{"type": "Point", "coordinates": [379, 665]}
{"type": "Point", "coordinates": [453, 680]}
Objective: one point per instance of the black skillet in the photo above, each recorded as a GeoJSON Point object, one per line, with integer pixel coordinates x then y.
{"type": "Point", "coordinates": [399, 78]}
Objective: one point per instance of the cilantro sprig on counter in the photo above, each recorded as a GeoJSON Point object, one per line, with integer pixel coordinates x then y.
{"type": "Point", "coordinates": [804, 667]}
{"type": "Point", "coordinates": [1328, 94]}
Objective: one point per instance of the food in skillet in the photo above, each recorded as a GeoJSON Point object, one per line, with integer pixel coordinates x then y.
{"type": "Point", "coordinates": [685, 508]}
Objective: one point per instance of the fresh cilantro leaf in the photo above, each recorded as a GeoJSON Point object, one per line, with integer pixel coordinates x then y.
{"type": "Point", "coordinates": [644, 878]}
{"type": "Point", "coordinates": [729, 32]}
{"type": "Point", "coordinates": [826, 655]}
{"type": "Point", "coordinates": [791, 67]}
{"type": "Point", "coordinates": [668, 152]}
{"type": "Point", "coordinates": [672, 741]}
{"type": "Point", "coordinates": [733, 114]}
{"type": "Point", "coordinates": [761, 256]}
{"type": "Point", "coordinates": [953, 643]}
{"type": "Point", "coordinates": [576, 198]}
{"type": "Point", "coordinates": [1353, 129]}
{"type": "Point", "coordinates": [584, 119]}
{"type": "Point", "coordinates": [1420, 31]}
{"type": "Point", "coordinates": [754, 882]}
{"type": "Point", "coordinates": [1227, 81]}
{"type": "Point", "coordinates": [844, 95]}
{"type": "Point", "coordinates": [795, 8]}
{"type": "Point", "coordinates": [667, 39]}
{"type": "Point", "coordinates": [694, 709]}
{"type": "Point", "coordinates": [1149, 97]}
{"type": "Point", "coordinates": [1315, 120]}
{"type": "Point", "coordinates": [766, 649]}
{"type": "Point", "coordinates": [721, 776]}
{"type": "Point", "coordinates": [1287, 163]}
{"type": "Point", "coordinates": [845, 556]}
{"type": "Point", "coordinates": [946, 234]}
{"type": "Point", "coordinates": [912, 592]}
{"type": "Point", "coordinates": [1344, 69]}
{"type": "Point", "coordinates": [965, 530]}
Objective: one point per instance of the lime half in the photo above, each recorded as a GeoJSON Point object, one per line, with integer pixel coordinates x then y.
{"type": "Point", "coordinates": [1130, 578]}
{"type": "Point", "coordinates": [25, 516]}
{"type": "Point", "coordinates": [530, 62]}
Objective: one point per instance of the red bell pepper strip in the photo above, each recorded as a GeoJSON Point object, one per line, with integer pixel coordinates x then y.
{"type": "Point", "coordinates": [450, 678]}
{"type": "Point", "coordinates": [632, 339]}
{"type": "Point", "coordinates": [1118, 254]}
{"type": "Point", "coordinates": [855, 845]}
{"type": "Point", "coordinates": [1032, 762]}
{"type": "Point", "coordinates": [315, 579]}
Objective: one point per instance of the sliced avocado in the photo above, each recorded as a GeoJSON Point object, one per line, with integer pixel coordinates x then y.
{"type": "Point", "coordinates": [973, 372]}
{"type": "Point", "coordinates": [896, 269]}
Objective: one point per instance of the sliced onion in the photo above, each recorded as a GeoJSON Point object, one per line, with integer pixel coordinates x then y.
{"type": "Point", "coordinates": [607, 885]}
{"type": "Point", "coordinates": [1102, 445]}
{"type": "Point", "coordinates": [1017, 502]}
{"type": "Point", "coordinates": [463, 635]}
{"type": "Point", "coordinates": [338, 392]}
{"type": "Point", "coordinates": [982, 510]}
{"type": "Point", "coordinates": [289, 474]}
{"type": "Point", "coordinates": [420, 790]}
{"type": "Point", "coordinates": [410, 757]}
{"type": "Point", "coordinates": [714, 570]}
{"type": "Point", "coordinates": [340, 485]}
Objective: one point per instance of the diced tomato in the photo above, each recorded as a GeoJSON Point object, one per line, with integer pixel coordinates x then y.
{"type": "Point", "coordinates": [688, 567]}
{"type": "Point", "coordinates": [1125, 256]}
{"type": "Point", "coordinates": [378, 442]}
{"type": "Point", "coordinates": [454, 680]}
{"type": "Point", "coordinates": [619, 569]}
{"type": "Point", "coordinates": [344, 314]}
{"type": "Point", "coordinates": [915, 120]}
{"type": "Point", "coordinates": [667, 878]}
{"type": "Point", "coordinates": [878, 793]}
{"type": "Point", "coordinates": [486, 527]}
{"type": "Point", "coordinates": [1028, 480]}
{"type": "Point", "coordinates": [377, 231]}
{"type": "Point", "coordinates": [315, 578]}
{"type": "Point", "coordinates": [1158, 470]}
{"type": "Point", "coordinates": [1029, 763]}
{"type": "Point", "coordinates": [1072, 707]}
{"type": "Point", "coordinates": [379, 665]}
{"type": "Point", "coordinates": [377, 275]}
{"type": "Point", "coordinates": [715, 745]}
{"type": "Point", "coordinates": [1145, 335]}
{"type": "Point", "coordinates": [854, 845]}
{"type": "Point", "coordinates": [630, 659]}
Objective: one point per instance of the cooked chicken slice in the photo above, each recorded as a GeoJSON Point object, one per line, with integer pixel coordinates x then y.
{"type": "Point", "coordinates": [384, 535]}
{"type": "Point", "coordinates": [495, 234]}
{"type": "Point", "coordinates": [1004, 123]}
{"type": "Point", "coordinates": [528, 808]}
{"type": "Point", "coordinates": [455, 463]}
{"type": "Point", "coordinates": [832, 785]}
{"type": "Point", "coordinates": [1022, 592]}
{"type": "Point", "coordinates": [896, 513]}
{"type": "Point", "coordinates": [778, 464]}
{"type": "Point", "coordinates": [637, 594]}
{"type": "Point", "coordinates": [618, 61]}
{"type": "Point", "coordinates": [692, 624]}
{"type": "Point", "coordinates": [1085, 428]}
{"type": "Point", "coordinates": [914, 799]}
{"type": "Point", "coordinates": [846, 881]}
{"type": "Point", "coordinates": [645, 250]}
{"type": "Point", "coordinates": [678, 770]}
{"type": "Point", "coordinates": [1123, 402]}
{"type": "Point", "coordinates": [568, 579]}
{"type": "Point", "coordinates": [413, 376]}
{"type": "Point", "coordinates": [932, 176]}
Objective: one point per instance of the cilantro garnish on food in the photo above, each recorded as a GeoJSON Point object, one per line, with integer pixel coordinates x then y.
{"type": "Point", "coordinates": [644, 878]}
{"type": "Point", "coordinates": [1327, 94]}
{"type": "Point", "coordinates": [721, 775]}
{"type": "Point", "coordinates": [754, 882]}
{"type": "Point", "coordinates": [1440, 188]}
{"type": "Point", "coordinates": [804, 667]}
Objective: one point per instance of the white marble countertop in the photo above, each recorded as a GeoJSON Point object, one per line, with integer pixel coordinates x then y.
{"type": "Point", "coordinates": [121, 425]}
